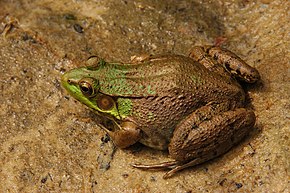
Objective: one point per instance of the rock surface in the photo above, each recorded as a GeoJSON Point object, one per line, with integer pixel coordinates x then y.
{"type": "Point", "coordinates": [51, 143]}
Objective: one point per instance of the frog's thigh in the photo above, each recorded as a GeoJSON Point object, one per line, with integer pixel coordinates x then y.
{"type": "Point", "coordinates": [230, 61]}
{"type": "Point", "coordinates": [199, 54]}
{"type": "Point", "coordinates": [234, 64]}
{"type": "Point", "coordinates": [210, 138]}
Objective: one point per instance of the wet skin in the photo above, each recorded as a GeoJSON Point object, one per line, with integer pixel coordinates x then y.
{"type": "Point", "coordinates": [191, 106]}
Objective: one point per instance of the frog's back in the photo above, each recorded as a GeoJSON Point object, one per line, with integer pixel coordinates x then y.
{"type": "Point", "coordinates": [181, 72]}
{"type": "Point", "coordinates": [157, 76]}
{"type": "Point", "coordinates": [162, 75]}
{"type": "Point", "coordinates": [175, 73]}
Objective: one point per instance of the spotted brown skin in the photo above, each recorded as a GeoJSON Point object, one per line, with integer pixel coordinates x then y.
{"type": "Point", "coordinates": [193, 106]}
{"type": "Point", "coordinates": [231, 62]}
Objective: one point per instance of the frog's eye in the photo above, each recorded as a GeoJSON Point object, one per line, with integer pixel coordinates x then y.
{"type": "Point", "coordinates": [94, 62]}
{"type": "Point", "coordinates": [105, 102]}
{"type": "Point", "coordinates": [89, 86]}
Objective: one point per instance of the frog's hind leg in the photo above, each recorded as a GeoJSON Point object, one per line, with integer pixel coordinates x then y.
{"type": "Point", "coordinates": [212, 57]}
{"type": "Point", "coordinates": [196, 144]}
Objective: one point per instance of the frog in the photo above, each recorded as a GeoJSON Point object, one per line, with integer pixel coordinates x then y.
{"type": "Point", "coordinates": [193, 107]}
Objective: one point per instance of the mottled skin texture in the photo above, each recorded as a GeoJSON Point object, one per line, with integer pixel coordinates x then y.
{"type": "Point", "coordinates": [192, 106]}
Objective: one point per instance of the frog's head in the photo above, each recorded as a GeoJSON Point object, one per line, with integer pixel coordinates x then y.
{"type": "Point", "coordinates": [86, 84]}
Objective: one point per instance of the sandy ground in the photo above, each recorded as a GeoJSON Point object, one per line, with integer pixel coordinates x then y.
{"type": "Point", "coordinates": [51, 143]}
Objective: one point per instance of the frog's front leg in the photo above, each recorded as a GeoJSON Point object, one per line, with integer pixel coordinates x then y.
{"type": "Point", "coordinates": [211, 56]}
{"type": "Point", "coordinates": [196, 140]}
{"type": "Point", "coordinates": [127, 134]}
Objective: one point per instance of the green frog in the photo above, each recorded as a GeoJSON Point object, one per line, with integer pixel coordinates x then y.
{"type": "Point", "coordinates": [192, 106]}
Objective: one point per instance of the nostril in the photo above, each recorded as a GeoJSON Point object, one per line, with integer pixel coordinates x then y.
{"type": "Point", "coordinates": [69, 81]}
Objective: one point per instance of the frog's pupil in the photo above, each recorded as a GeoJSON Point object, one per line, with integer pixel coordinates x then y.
{"type": "Point", "coordinates": [86, 89]}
